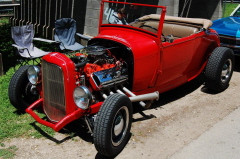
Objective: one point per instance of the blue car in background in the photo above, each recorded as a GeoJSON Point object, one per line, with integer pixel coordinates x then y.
{"type": "Point", "coordinates": [229, 30]}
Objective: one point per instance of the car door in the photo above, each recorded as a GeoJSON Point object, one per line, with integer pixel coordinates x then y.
{"type": "Point", "coordinates": [175, 59]}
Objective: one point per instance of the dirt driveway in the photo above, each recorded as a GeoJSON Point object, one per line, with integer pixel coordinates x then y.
{"type": "Point", "coordinates": [177, 119]}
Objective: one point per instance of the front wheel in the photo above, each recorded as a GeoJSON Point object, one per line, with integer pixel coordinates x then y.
{"type": "Point", "coordinates": [219, 69]}
{"type": "Point", "coordinates": [20, 91]}
{"type": "Point", "coordinates": [112, 125]}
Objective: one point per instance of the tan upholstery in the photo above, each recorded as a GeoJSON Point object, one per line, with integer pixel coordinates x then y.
{"type": "Point", "coordinates": [176, 26]}
{"type": "Point", "coordinates": [178, 31]}
{"type": "Point", "coordinates": [205, 23]}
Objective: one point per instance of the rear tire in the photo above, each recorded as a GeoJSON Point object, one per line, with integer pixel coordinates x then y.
{"type": "Point", "coordinates": [19, 92]}
{"type": "Point", "coordinates": [219, 69]}
{"type": "Point", "coordinates": [112, 125]}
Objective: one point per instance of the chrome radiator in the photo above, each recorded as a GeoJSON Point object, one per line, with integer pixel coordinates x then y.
{"type": "Point", "coordinates": [54, 103]}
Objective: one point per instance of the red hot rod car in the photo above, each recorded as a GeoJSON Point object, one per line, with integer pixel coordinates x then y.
{"type": "Point", "coordinates": [121, 65]}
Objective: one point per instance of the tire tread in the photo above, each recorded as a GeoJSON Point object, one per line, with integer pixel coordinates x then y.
{"type": "Point", "coordinates": [101, 123]}
{"type": "Point", "coordinates": [212, 71]}
{"type": "Point", "coordinates": [14, 88]}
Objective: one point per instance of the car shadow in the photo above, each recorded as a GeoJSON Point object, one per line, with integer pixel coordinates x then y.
{"type": "Point", "coordinates": [237, 64]}
{"type": "Point", "coordinates": [178, 93]}
{"type": "Point", "coordinates": [79, 128]}
{"type": "Point", "coordinates": [76, 128]}
{"type": "Point", "coordinates": [46, 135]}
{"type": "Point", "coordinates": [171, 95]}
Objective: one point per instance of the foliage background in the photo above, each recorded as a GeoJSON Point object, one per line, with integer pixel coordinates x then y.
{"type": "Point", "coordinates": [13, 124]}
{"type": "Point", "coordinates": [229, 8]}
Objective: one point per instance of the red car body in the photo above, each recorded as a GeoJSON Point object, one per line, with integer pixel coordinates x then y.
{"type": "Point", "coordinates": [158, 66]}
{"type": "Point", "coordinates": [148, 61]}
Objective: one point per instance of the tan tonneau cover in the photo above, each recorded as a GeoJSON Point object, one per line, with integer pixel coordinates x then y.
{"type": "Point", "coordinates": [204, 22]}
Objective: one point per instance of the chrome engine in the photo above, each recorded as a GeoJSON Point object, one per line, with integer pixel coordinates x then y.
{"type": "Point", "coordinates": [100, 68]}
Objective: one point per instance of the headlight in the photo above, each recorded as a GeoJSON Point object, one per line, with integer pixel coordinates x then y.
{"type": "Point", "coordinates": [82, 97]}
{"type": "Point", "coordinates": [33, 74]}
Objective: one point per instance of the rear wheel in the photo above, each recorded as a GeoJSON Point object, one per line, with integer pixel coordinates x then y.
{"type": "Point", "coordinates": [112, 125]}
{"type": "Point", "coordinates": [219, 69]}
{"type": "Point", "coordinates": [20, 91]}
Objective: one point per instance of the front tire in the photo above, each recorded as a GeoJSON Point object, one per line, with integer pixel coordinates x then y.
{"type": "Point", "coordinates": [112, 125]}
{"type": "Point", "coordinates": [219, 69]}
{"type": "Point", "coordinates": [19, 90]}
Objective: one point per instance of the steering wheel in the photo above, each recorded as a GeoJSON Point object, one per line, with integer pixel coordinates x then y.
{"type": "Point", "coordinates": [163, 38]}
{"type": "Point", "coordinates": [148, 26]}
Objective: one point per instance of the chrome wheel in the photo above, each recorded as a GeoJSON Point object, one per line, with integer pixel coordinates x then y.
{"type": "Point", "coordinates": [120, 125]}
{"type": "Point", "coordinates": [226, 71]}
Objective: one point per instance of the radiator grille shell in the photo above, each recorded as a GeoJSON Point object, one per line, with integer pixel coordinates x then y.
{"type": "Point", "coordinates": [54, 103]}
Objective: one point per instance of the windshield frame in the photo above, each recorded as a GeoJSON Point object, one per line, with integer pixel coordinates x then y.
{"type": "Point", "coordinates": [161, 15]}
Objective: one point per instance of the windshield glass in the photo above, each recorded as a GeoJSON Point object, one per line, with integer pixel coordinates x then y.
{"type": "Point", "coordinates": [132, 15]}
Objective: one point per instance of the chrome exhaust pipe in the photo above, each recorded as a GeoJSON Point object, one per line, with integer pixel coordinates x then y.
{"type": "Point", "coordinates": [149, 96]}
{"type": "Point", "coordinates": [138, 98]}
{"type": "Point", "coordinates": [104, 96]}
{"type": "Point", "coordinates": [133, 95]}
{"type": "Point", "coordinates": [143, 97]}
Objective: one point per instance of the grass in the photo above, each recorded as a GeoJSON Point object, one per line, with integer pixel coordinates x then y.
{"type": "Point", "coordinates": [12, 124]}
{"type": "Point", "coordinates": [7, 152]}
{"type": "Point", "coordinates": [229, 8]}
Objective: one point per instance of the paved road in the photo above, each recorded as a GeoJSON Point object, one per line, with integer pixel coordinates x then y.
{"type": "Point", "coordinates": [222, 141]}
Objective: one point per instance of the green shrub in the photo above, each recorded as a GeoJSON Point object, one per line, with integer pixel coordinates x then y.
{"type": "Point", "coordinates": [6, 48]}
{"type": "Point", "coordinates": [4, 20]}
{"type": "Point", "coordinates": [229, 8]}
